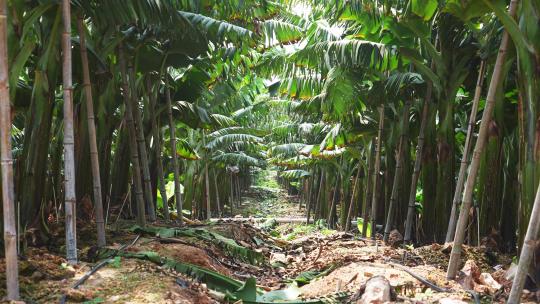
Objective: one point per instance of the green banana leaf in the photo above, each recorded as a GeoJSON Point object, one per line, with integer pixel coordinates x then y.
{"type": "Point", "coordinates": [229, 246]}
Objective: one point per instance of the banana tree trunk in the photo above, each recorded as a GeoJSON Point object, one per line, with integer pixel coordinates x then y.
{"type": "Point", "coordinates": [172, 128]}
{"type": "Point", "coordinates": [496, 78]}
{"type": "Point", "coordinates": [465, 158]}
{"type": "Point", "coordinates": [136, 170]}
{"type": "Point", "coordinates": [398, 172]}
{"type": "Point", "coordinates": [527, 252]}
{"type": "Point", "coordinates": [157, 143]}
{"type": "Point", "coordinates": [411, 209]}
{"type": "Point", "coordinates": [69, 142]}
{"type": "Point", "coordinates": [377, 169]}
{"type": "Point", "coordinates": [141, 144]}
{"type": "Point", "coordinates": [6, 166]}
{"type": "Point", "coordinates": [94, 155]}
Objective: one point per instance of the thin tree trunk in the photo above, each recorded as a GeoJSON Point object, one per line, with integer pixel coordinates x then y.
{"type": "Point", "coordinates": [172, 128]}
{"type": "Point", "coordinates": [527, 252]}
{"type": "Point", "coordinates": [218, 203]}
{"type": "Point", "coordinates": [369, 188]}
{"type": "Point", "coordinates": [69, 141]}
{"type": "Point", "coordinates": [238, 190]}
{"type": "Point", "coordinates": [411, 209]}
{"type": "Point", "coordinates": [94, 155]}
{"type": "Point", "coordinates": [136, 171]}
{"type": "Point", "coordinates": [6, 165]}
{"type": "Point", "coordinates": [351, 204]}
{"type": "Point", "coordinates": [398, 172]}
{"type": "Point", "coordinates": [455, 255]}
{"type": "Point", "coordinates": [157, 143]}
{"type": "Point", "coordinates": [311, 195]}
{"type": "Point", "coordinates": [141, 144]}
{"type": "Point", "coordinates": [465, 158]}
{"type": "Point", "coordinates": [231, 203]}
{"type": "Point", "coordinates": [207, 182]}
{"type": "Point", "coordinates": [377, 169]}
{"type": "Point", "coordinates": [331, 219]}
{"type": "Point", "coordinates": [318, 203]}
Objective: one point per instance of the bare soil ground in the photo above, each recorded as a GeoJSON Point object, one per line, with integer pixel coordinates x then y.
{"type": "Point", "coordinates": [339, 264]}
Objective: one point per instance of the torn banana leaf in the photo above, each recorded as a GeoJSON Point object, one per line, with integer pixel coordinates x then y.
{"type": "Point", "coordinates": [229, 246]}
{"type": "Point", "coordinates": [234, 290]}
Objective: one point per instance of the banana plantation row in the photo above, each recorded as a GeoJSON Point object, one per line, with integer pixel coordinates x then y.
{"type": "Point", "coordinates": [420, 115]}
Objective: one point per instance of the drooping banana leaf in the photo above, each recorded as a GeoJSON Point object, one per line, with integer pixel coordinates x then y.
{"type": "Point", "coordinates": [229, 246]}
{"type": "Point", "coordinates": [234, 290]}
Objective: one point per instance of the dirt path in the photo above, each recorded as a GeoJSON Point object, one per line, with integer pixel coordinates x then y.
{"type": "Point", "coordinates": [266, 199]}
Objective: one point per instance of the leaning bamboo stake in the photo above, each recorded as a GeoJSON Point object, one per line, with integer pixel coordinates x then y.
{"type": "Point", "coordinates": [94, 156]}
{"type": "Point", "coordinates": [69, 142]}
{"type": "Point", "coordinates": [527, 252]}
{"type": "Point", "coordinates": [459, 237]}
{"type": "Point", "coordinates": [6, 165]}
{"type": "Point", "coordinates": [172, 128]}
{"type": "Point", "coordinates": [157, 143]}
{"type": "Point", "coordinates": [398, 172]}
{"type": "Point", "coordinates": [411, 208]}
{"type": "Point", "coordinates": [141, 144]}
{"type": "Point", "coordinates": [354, 194]}
{"type": "Point", "coordinates": [466, 151]}
{"type": "Point", "coordinates": [134, 153]}
{"type": "Point", "coordinates": [376, 171]}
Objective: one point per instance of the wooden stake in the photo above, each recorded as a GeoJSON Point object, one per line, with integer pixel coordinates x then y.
{"type": "Point", "coordinates": [455, 255]}
{"type": "Point", "coordinates": [527, 252]}
{"type": "Point", "coordinates": [466, 150]}
{"type": "Point", "coordinates": [69, 143]}
{"type": "Point", "coordinates": [6, 165]}
{"type": "Point", "coordinates": [411, 208]}
{"type": "Point", "coordinates": [377, 169]}
{"type": "Point", "coordinates": [94, 156]}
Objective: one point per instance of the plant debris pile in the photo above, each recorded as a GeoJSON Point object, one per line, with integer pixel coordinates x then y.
{"type": "Point", "coordinates": [230, 261]}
